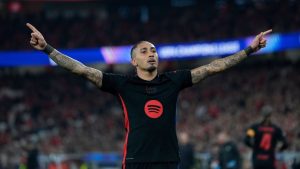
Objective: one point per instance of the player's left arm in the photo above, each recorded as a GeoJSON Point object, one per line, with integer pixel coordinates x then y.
{"type": "Point", "coordinates": [282, 139]}
{"type": "Point", "coordinates": [249, 138]}
{"type": "Point", "coordinates": [220, 65]}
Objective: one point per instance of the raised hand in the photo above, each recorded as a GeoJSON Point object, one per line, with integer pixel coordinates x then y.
{"type": "Point", "coordinates": [37, 40]}
{"type": "Point", "coordinates": [260, 41]}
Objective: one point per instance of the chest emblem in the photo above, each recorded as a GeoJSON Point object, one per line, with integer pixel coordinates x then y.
{"type": "Point", "coordinates": [153, 109]}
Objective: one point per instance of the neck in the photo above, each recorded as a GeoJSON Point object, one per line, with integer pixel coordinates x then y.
{"type": "Point", "coordinates": [146, 75]}
{"type": "Point", "coordinates": [266, 122]}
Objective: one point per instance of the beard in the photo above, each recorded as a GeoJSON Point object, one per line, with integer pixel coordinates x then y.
{"type": "Point", "coordinates": [151, 69]}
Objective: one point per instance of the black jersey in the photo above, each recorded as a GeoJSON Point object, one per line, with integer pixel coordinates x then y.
{"type": "Point", "coordinates": [149, 110]}
{"type": "Point", "coordinates": [263, 139]}
{"type": "Point", "coordinates": [229, 156]}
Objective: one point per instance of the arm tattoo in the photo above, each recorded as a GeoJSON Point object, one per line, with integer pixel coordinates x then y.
{"type": "Point", "coordinates": [76, 67]}
{"type": "Point", "coordinates": [216, 66]}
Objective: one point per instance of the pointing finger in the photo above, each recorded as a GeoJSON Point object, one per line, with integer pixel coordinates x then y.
{"type": "Point", "coordinates": [32, 27]}
{"type": "Point", "coordinates": [267, 32]}
{"type": "Point", "coordinates": [259, 35]}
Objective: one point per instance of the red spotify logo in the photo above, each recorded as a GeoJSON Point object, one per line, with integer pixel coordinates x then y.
{"type": "Point", "coordinates": [153, 109]}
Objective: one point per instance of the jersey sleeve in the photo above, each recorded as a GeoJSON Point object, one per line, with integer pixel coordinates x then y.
{"type": "Point", "coordinates": [112, 82]}
{"type": "Point", "coordinates": [182, 78]}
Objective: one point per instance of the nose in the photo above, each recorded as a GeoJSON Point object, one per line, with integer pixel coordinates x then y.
{"type": "Point", "coordinates": [151, 56]}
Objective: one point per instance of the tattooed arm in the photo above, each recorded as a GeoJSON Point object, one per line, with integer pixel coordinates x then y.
{"type": "Point", "coordinates": [76, 67]}
{"type": "Point", "coordinates": [220, 65]}
{"type": "Point", "coordinates": [38, 42]}
{"type": "Point", "coordinates": [217, 66]}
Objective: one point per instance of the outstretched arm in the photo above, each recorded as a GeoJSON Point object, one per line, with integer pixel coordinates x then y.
{"type": "Point", "coordinates": [38, 42]}
{"type": "Point", "coordinates": [220, 65]}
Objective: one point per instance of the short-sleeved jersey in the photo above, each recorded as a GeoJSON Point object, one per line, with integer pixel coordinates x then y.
{"type": "Point", "coordinates": [149, 111]}
{"type": "Point", "coordinates": [264, 140]}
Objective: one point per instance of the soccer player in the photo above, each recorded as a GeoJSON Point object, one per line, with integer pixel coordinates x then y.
{"type": "Point", "coordinates": [229, 155]}
{"type": "Point", "coordinates": [148, 98]}
{"type": "Point", "coordinates": [187, 152]}
{"type": "Point", "coordinates": [263, 139]}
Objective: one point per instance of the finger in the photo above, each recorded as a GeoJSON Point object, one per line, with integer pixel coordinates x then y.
{"type": "Point", "coordinates": [267, 32]}
{"type": "Point", "coordinates": [31, 27]}
{"type": "Point", "coordinates": [263, 41]}
{"type": "Point", "coordinates": [259, 35]}
{"type": "Point", "coordinates": [262, 45]}
{"type": "Point", "coordinates": [33, 43]}
{"type": "Point", "coordinates": [35, 35]}
{"type": "Point", "coordinates": [33, 40]}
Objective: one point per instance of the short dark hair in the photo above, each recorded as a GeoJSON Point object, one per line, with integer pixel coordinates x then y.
{"type": "Point", "coordinates": [134, 47]}
{"type": "Point", "coordinates": [266, 111]}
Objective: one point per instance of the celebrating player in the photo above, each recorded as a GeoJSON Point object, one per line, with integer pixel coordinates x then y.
{"type": "Point", "coordinates": [148, 98]}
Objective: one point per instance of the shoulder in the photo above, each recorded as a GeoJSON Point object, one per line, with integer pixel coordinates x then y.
{"type": "Point", "coordinates": [113, 81]}
{"type": "Point", "coordinates": [178, 75]}
{"type": "Point", "coordinates": [277, 127]}
{"type": "Point", "coordinates": [115, 76]}
{"type": "Point", "coordinates": [177, 72]}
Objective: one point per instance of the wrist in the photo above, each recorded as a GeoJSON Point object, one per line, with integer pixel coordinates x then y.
{"type": "Point", "coordinates": [249, 50]}
{"type": "Point", "coordinates": [48, 49]}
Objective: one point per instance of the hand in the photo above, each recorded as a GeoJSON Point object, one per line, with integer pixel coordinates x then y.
{"type": "Point", "coordinates": [260, 41]}
{"type": "Point", "coordinates": [37, 40]}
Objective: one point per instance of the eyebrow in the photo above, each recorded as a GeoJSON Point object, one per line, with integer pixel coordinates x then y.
{"type": "Point", "coordinates": [151, 48]}
{"type": "Point", "coordinates": [143, 49]}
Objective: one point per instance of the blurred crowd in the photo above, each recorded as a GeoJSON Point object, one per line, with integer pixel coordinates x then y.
{"type": "Point", "coordinates": [99, 25]}
{"type": "Point", "coordinates": [63, 113]}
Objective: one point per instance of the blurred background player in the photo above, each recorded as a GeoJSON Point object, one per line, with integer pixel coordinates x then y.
{"type": "Point", "coordinates": [264, 138]}
{"type": "Point", "coordinates": [187, 152]}
{"type": "Point", "coordinates": [32, 156]}
{"type": "Point", "coordinates": [229, 155]}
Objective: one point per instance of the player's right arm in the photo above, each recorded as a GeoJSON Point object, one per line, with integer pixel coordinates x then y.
{"type": "Point", "coordinates": [38, 42]}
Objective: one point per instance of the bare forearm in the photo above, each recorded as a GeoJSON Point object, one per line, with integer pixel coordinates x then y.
{"type": "Point", "coordinates": [216, 66]}
{"type": "Point", "coordinates": [221, 64]}
{"type": "Point", "coordinates": [225, 63]}
{"type": "Point", "coordinates": [76, 67]}
{"type": "Point", "coordinates": [66, 62]}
